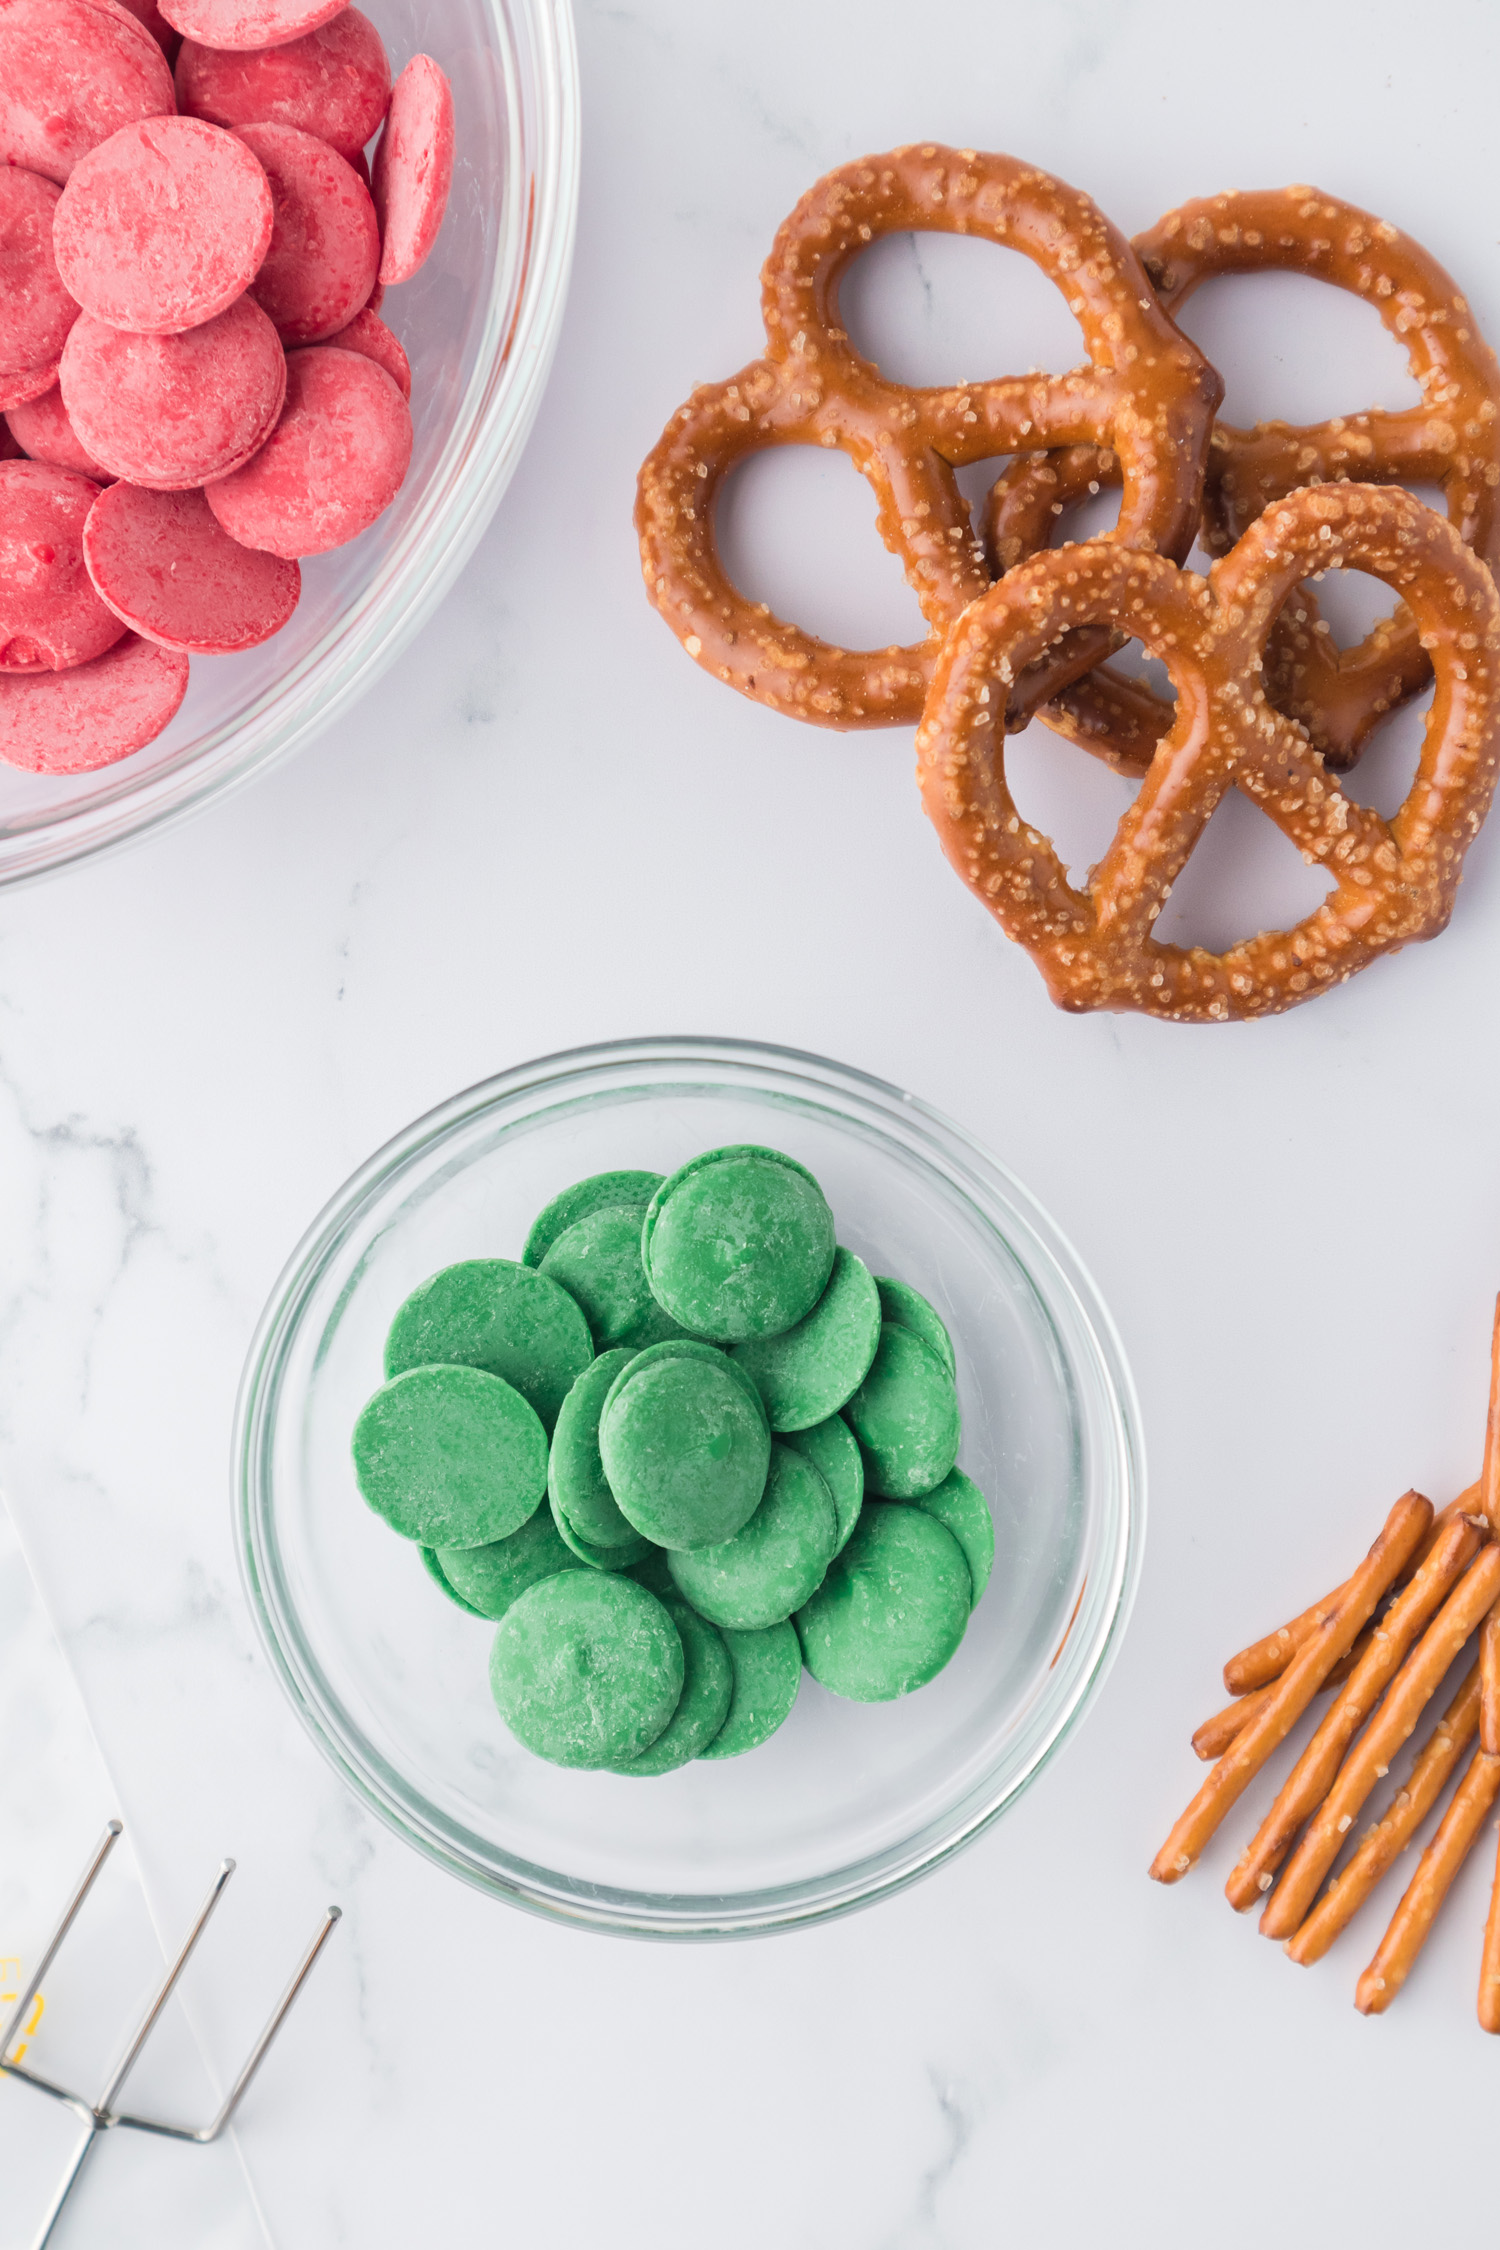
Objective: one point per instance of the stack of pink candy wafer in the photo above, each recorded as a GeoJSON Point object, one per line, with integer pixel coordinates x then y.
{"type": "Point", "coordinates": [196, 386]}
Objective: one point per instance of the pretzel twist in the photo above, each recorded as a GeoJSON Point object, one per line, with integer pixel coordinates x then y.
{"type": "Point", "coordinates": [1403, 1529]}
{"type": "Point", "coordinates": [1145, 392]}
{"type": "Point", "coordinates": [1457, 1833]}
{"type": "Point", "coordinates": [1392, 882]}
{"type": "Point", "coordinates": [1373, 1755]}
{"type": "Point", "coordinates": [1452, 439]}
{"type": "Point", "coordinates": [1382, 1844]}
{"type": "Point", "coordinates": [1310, 1779]}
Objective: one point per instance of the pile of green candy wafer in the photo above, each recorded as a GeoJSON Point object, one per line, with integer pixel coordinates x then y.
{"type": "Point", "coordinates": [646, 1451]}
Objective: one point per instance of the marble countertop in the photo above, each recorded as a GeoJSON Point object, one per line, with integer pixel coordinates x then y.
{"type": "Point", "coordinates": [549, 828]}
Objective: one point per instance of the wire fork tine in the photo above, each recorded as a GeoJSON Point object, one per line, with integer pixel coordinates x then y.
{"type": "Point", "coordinates": [101, 2116]}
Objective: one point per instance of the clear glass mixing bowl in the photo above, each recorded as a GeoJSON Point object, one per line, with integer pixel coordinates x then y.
{"type": "Point", "coordinates": [848, 1801]}
{"type": "Point", "coordinates": [479, 323]}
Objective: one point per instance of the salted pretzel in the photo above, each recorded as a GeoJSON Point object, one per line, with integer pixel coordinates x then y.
{"type": "Point", "coordinates": [1145, 392]}
{"type": "Point", "coordinates": [1392, 882]}
{"type": "Point", "coordinates": [1452, 439]}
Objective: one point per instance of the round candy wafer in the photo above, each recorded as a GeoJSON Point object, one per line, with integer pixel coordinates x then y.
{"type": "Point", "coordinates": [43, 432]}
{"type": "Point", "coordinates": [32, 382]}
{"type": "Point", "coordinates": [369, 336]}
{"type": "Point", "coordinates": [333, 463]}
{"type": "Point", "coordinates": [36, 311]}
{"type": "Point", "coordinates": [50, 616]}
{"type": "Point", "coordinates": [162, 227]}
{"type": "Point", "coordinates": [93, 715]}
{"type": "Point", "coordinates": [247, 24]}
{"type": "Point", "coordinates": [162, 563]}
{"type": "Point", "coordinates": [150, 18]}
{"type": "Point", "coordinates": [171, 412]}
{"type": "Point", "coordinates": [336, 83]}
{"type": "Point", "coordinates": [71, 74]}
{"type": "Point", "coordinates": [413, 168]}
{"type": "Point", "coordinates": [324, 253]}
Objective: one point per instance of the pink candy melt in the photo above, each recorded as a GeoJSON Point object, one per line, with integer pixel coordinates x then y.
{"type": "Point", "coordinates": [150, 18]}
{"type": "Point", "coordinates": [164, 566]}
{"type": "Point", "coordinates": [334, 462]}
{"type": "Point", "coordinates": [174, 411]}
{"type": "Point", "coordinates": [325, 242]}
{"type": "Point", "coordinates": [16, 390]}
{"type": "Point", "coordinates": [71, 74]}
{"type": "Point", "coordinates": [77, 721]}
{"type": "Point", "coordinates": [373, 340]}
{"type": "Point", "coordinates": [414, 168]}
{"type": "Point", "coordinates": [336, 83]}
{"type": "Point", "coordinates": [50, 615]}
{"type": "Point", "coordinates": [247, 24]}
{"type": "Point", "coordinates": [163, 226]}
{"type": "Point", "coordinates": [36, 311]}
{"type": "Point", "coordinates": [43, 432]}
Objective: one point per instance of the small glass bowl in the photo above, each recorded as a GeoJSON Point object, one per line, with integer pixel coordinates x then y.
{"type": "Point", "coordinates": [479, 323]}
{"type": "Point", "coordinates": [848, 1801]}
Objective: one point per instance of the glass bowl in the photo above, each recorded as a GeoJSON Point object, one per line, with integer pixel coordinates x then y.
{"type": "Point", "coordinates": [847, 1801]}
{"type": "Point", "coordinates": [479, 323]}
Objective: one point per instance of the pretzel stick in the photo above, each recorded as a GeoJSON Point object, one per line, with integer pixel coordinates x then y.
{"type": "Point", "coordinates": [1375, 1752]}
{"type": "Point", "coordinates": [1436, 1868]}
{"type": "Point", "coordinates": [1215, 1735]}
{"type": "Point", "coordinates": [1404, 1528]}
{"type": "Point", "coordinates": [1489, 1684]}
{"type": "Point", "coordinates": [1489, 1475]}
{"type": "Point", "coordinates": [1265, 1661]}
{"type": "Point", "coordinates": [1381, 1844]}
{"type": "Point", "coordinates": [1312, 1776]}
{"type": "Point", "coordinates": [1489, 1967]}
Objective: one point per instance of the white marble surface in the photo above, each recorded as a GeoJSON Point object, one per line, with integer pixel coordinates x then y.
{"type": "Point", "coordinates": [548, 828]}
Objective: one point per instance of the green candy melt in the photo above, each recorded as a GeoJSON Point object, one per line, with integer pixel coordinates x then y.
{"type": "Point", "coordinates": [833, 1450]}
{"type": "Point", "coordinates": [809, 1371]}
{"type": "Point", "coordinates": [494, 1314]}
{"type": "Point", "coordinates": [891, 1611]}
{"type": "Point", "coordinates": [450, 1456]}
{"type": "Point", "coordinates": [488, 1579]}
{"type": "Point", "coordinates": [587, 1510]}
{"type": "Point", "coordinates": [587, 1669]}
{"type": "Point", "coordinates": [767, 1674]}
{"type": "Point", "coordinates": [906, 1307]}
{"type": "Point", "coordinates": [435, 1572]}
{"type": "Point", "coordinates": [685, 1447]}
{"type": "Point", "coordinates": [738, 1243]}
{"type": "Point", "coordinates": [707, 1691]}
{"type": "Point", "coordinates": [905, 1415]}
{"type": "Point", "coordinates": [597, 1558]}
{"type": "Point", "coordinates": [768, 1570]}
{"type": "Point", "coordinates": [598, 1261]}
{"type": "Point", "coordinates": [962, 1508]}
{"type": "Point", "coordinates": [603, 1191]}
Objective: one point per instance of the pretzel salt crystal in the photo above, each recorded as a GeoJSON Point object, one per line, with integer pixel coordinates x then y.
{"type": "Point", "coordinates": [1373, 1755]}
{"type": "Point", "coordinates": [1382, 1844]}
{"type": "Point", "coordinates": [1309, 1781]}
{"type": "Point", "coordinates": [1451, 439]}
{"type": "Point", "coordinates": [1392, 882]}
{"type": "Point", "coordinates": [1400, 1535]}
{"type": "Point", "coordinates": [1457, 1833]}
{"type": "Point", "coordinates": [1215, 1735]}
{"type": "Point", "coordinates": [1144, 391]}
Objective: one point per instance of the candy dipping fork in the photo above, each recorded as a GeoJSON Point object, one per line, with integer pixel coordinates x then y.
{"type": "Point", "coordinates": [101, 2116]}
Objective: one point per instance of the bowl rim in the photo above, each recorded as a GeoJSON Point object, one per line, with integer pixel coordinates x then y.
{"type": "Point", "coordinates": [516, 380]}
{"type": "Point", "coordinates": [698, 1916]}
